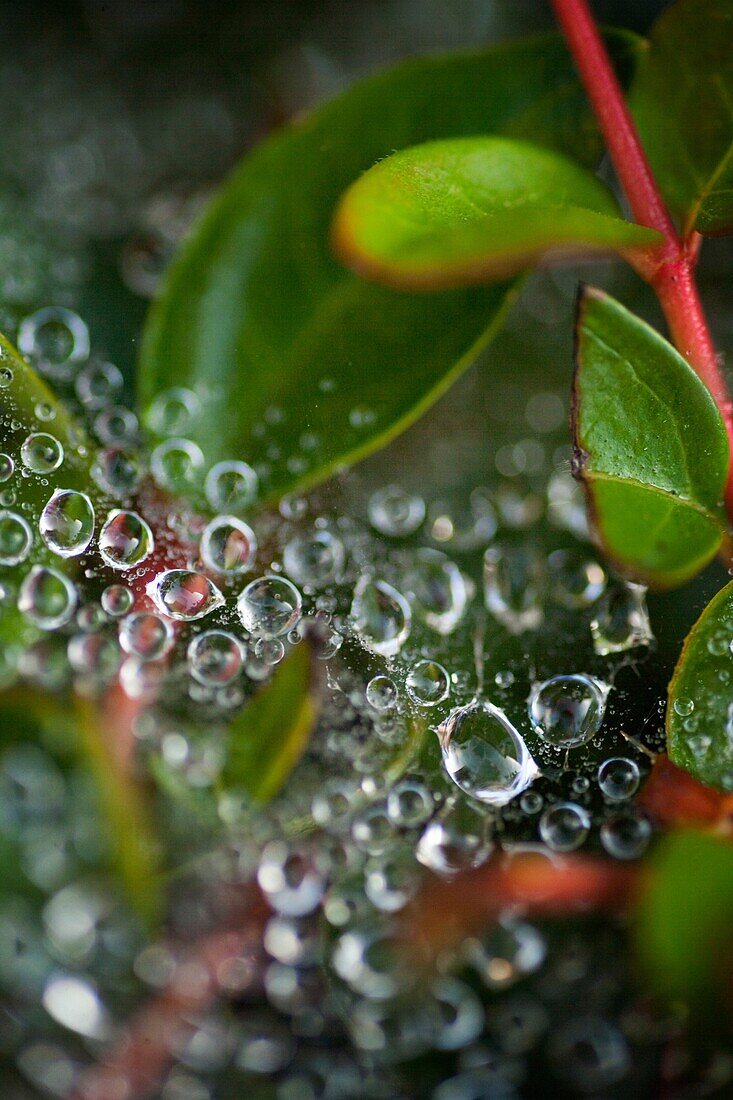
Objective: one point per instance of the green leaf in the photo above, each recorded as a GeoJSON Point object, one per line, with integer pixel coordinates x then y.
{"type": "Point", "coordinates": [650, 446]}
{"type": "Point", "coordinates": [699, 711]}
{"type": "Point", "coordinates": [684, 929]}
{"type": "Point", "coordinates": [22, 394]}
{"type": "Point", "coordinates": [301, 367]}
{"type": "Point", "coordinates": [683, 103]}
{"type": "Point", "coordinates": [270, 735]}
{"type": "Point", "coordinates": [471, 210]}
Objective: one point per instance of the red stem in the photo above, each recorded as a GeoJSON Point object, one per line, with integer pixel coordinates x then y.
{"type": "Point", "coordinates": [669, 270]}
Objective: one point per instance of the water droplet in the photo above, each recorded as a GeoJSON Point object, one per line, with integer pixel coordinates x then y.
{"type": "Point", "coordinates": [409, 803]}
{"type": "Point", "coordinates": [590, 1054]}
{"type": "Point", "coordinates": [621, 620]}
{"type": "Point", "coordinates": [41, 453]}
{"type": "Point", "coordinates": [270, 651]}
{"type": "Point", "coordinates": [699, 744]}
{"type": "Point", "coordinates": [395, 512]}
{"type": "Point", "coordinates": [381, 693]}
{"type": "Point", "coordinates": [618, 778]}
{"type": "Point", "coordinates": [184, 594]}
{"type": "Point", "coordinates": [47, 597]}
{"type": "Point", "coordinates": [146, 635]}
{"type": "Point", "coordinates": [683, 706]}
{"type": "Point", "coordinates": [177, 464]}
{"type": "Point", "coordinates": [567, 710]}
{"type": "Point", "coordinates": [564, 826]}
{"type": "Point", "coordinates": [55, 339]}
{"type": "Point", "coordinates": [215, 658]}
{"type": "Point", "coordinates": [230, 486]}
{"type": "Point", "coordinates": [314, 559]}
{"type": "Point", "coordinates": [67, 523]}
{"type": "Point", "coordinates": [7, 467]}
{"type": "Point", "coordinates": [16, 538]}
{"type": "Point", "coordinates": [437, 590]}
{"type": "Point", "coordinates": [484, 754]}
{"type": "Point", "coordinates": [626, 835]}
{"type": "Point", "coordinates": [511, 950]}
{"type": "Point", "coordinates": [269, 606]}
{"type": "Point", "coordinates": [116, 424]}
{"type": "Point", "coordinates": [228, 545]}
{"type": "Point", "coordinates": [514, 584]}
{"type": "Point", "coordinates": [125, 540]}
{"type": "Point", "coordinates": [173, 412]}
{"type": "Point", "coordinates": [98, 385]}
{"type": "Point", "coordinates": [381, 616]}
{"type": "Point", "coordinates": [116, 600]}
{"type": "Point", "coordinates": [291, 883]}
{"type": "Point", "coordinates": [577, 581]}
{"type": "Point", "coordinates": [117, 471]}
{"type": "Point", "coordinates": [74, 1004]}
{"type": "Point", "coordinates": [427, 683]}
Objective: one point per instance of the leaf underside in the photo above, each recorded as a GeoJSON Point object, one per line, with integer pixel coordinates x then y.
{"type": "Point", "coordinates": [468, 210]}
{"type": "Point", "coordinates": [650, 446]}
{"type": "Point", "coordinates": [300, 366]}
{"type": "Point", "coordinates": [699, 713]}
{"type": "Point", "coordinates": [682, 99]}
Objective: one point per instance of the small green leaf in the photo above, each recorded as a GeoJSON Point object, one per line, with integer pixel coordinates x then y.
{"type": "Point", "coordinates": [471, 210]}
{"type": "Point", "coordinates": [699, 710]}
{"type": "Point", "coordinates": [650, 446]}
{"type": "Point", "coordinates": [684, 928]}
{"type": "Point", "coordinates": [683, 103]}
{"type": "Point", "coordinates": [270, 735]}
{"type": "Point", "coordinates": [278, 341]}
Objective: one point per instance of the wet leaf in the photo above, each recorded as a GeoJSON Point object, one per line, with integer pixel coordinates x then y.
{"type": "Point", "coordinates": [699, 710]}
{"type": "Point", "coordinates": [650, 446]}
{"type": "Point", "coordinates": [684, 930]}
{"type": "Point", "coordinates": [683, 103]}
{"type": "Point", "coordinates": [472, 210]}
{"type": "Point", "coordinates": [299, 366]}
{"type": "Point", "coordinates": [270, 735]}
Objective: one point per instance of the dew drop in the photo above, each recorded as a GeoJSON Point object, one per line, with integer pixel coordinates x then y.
{"type": "Point", "coordinates": [621, 620]}
{"type": "Point", "coordinates": [230, 486]}
{"type": "Point", "coordinates": [395, 512]}
{"type": "Point", "coordinates": [177, 464]}
{"type": "Point", "coordinates": [437, 590]}
{"type": "Point", "coordinates": [55, 339]}
{"type": "Point", "coordinates": [683, 706]}
{"type": "Point", "coordinates": [381, 693]}
{"type": "Point", "coordinates": [47, 598]}
{"type": "Point", "coordinates": [514, 584]}
{"type": "Point", "coordinates": [484, 754]}
{"type": "Point", "coordinates": [7, 467]}
{"type": "Point", "coordinates": [67, 523]}
{"type": "Point", "coordinates": [41, 453]}
{"type": "Point", "coordinates": [381, 616]}
{"type": "Point", "coordinates": [564, 826]}
{"type": "Point", "coordinates": [228, 545]}
{"type": "Point", "coordinates": [618, 778]}
{"type": "Point", "coordinates": [16, 538]}
{"type": "Point", "coordinates": [173, 412]}
{"type": "Point", "coordinates": [146, 635]}
{"type": "Point", "coordinates": [116, 600]}
{"type": "Point", "coordinates": [567, 710]}
{"type": "Point", "coordinates": [427, 683]}
{"type": "Point", "coordinates": [626, 835]}
{"type": "Point", "coordinates": [314, 559]}
{"type": "Point", "coordinates": [184, 594]}
{"type": "Point", "coordinates": [125, 540]}
{"type": "Point", "coordinates": [215, 658]}
{"type": "Point", "coordinates": [269, 606]}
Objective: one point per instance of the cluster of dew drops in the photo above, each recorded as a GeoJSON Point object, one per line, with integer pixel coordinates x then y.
{"type": "Point", "coordinates": [344, 850]}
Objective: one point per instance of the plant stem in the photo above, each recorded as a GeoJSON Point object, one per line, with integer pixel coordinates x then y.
{"type": "Point", "coordinates": [670, 268]}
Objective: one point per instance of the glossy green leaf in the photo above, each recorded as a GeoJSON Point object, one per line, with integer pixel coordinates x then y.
{"type": "Point", "coordinates": [22, 395]}
{"type": "Point", "coordinates": [684, 927]}
{"type": "Point", "coordinates": [270, 735]}
{"type": "Point", "coordinates": [683, 103]}
{"type": "Point", "coordinates": [471, 210]}
{"type": "Point", "coordinates": [650, 446]}
{"type": "Point", "coordinates": [300, 367]}
{"type": "Point", "coordinates": [699, 713]}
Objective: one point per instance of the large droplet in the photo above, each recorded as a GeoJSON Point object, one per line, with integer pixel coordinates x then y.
{"type": "Point", "coordinates": [215, 657]}
{"type": "Point", "coordinates": [567, 710]}
{"type": "Point", "coordinates": [184, 594]}
{"type": "Point", "coordinates": [621, 620]}
{"type": "Point", "coordinates": [427, 683]}
{"type": "Point", "coordinates": [269, 606]}
{"type": "Point", "coordinates": [67, 523]}
{"type": "Point", "coordinates": [47, 597]}
{"type": "Point", "coordinates": [514, 584]}
{"type": "Point", "coordinates": [16, 538]}
{"type": "Point", "coordinates": [41, 453]}
{"type": "Point", "coordinates": [437, 589]}
{"type": "Point", "coordinates": [484, 754]}
{"type": "Point", "coordinates": [231, 486]}
{"type": "Point", "coordinates": [228, 545]}
{"type": "Point", "coordinates": [125, 540]}
{"type": "Point", "coordinates": [381, 616]}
